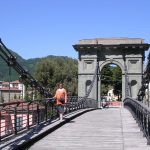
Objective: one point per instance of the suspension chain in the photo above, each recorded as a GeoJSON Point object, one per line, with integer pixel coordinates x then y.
{"type": "Point", "coordinates": [126, 81]}
{"type": "Point", "coordinates": [92, 83]}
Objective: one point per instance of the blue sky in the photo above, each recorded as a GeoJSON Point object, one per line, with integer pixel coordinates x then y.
{"type": "Point", "coordinates": [37, 28]}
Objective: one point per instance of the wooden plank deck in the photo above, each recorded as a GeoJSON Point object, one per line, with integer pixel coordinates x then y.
{"type": "Point", "coordinates": [106, 129]}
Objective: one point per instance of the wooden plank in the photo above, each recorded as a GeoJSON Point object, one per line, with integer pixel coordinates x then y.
{"type": "Point", "coordinates": [106, 129]}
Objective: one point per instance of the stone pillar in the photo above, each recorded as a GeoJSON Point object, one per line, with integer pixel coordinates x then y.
{"type": "Point", "coordinates": [86, 70]}
{"type": "Point", "coordinates": [120, 51]}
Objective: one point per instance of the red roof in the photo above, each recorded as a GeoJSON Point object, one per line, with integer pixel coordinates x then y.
{"type": "Point", "coordinates": [11, 89]}
{"type": "Point", "coordinates": [5, 83]}
{"type": "Point", "coordinates": [16, 81]}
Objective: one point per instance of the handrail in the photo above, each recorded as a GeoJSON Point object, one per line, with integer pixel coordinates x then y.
{"type": "Point", "coordinates": [142, 115]}
{"type": "Point", "coordinates": [21, 116]}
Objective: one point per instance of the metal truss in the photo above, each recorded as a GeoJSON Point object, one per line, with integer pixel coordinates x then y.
{"type": "Point", "coordinates": [25, 76]}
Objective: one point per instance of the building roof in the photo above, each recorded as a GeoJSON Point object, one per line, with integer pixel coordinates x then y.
{"type": "Point", "coordinates": [11, 89]}
{"type": "Point", "coordinates": [113, 43]}
{"type": "Point", "coordinates": [5, 83]}
{"type": "Point", "coordinates": [16, 81]}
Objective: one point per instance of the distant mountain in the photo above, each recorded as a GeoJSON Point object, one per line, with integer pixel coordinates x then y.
{"type": "Point", "coordinates": [28, 65]}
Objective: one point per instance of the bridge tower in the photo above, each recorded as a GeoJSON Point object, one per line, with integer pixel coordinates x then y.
{"type": "Point", "coordinates": [127, 53]}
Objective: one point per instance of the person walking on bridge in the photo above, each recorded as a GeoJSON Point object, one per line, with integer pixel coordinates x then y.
{"type": "Point", "coordinates": [61, 100]}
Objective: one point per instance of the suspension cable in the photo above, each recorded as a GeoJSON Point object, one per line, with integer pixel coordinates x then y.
{"type": "Point", "coordinates": [92, 83]}
{"type": "Point", "coordinates": [145, 82]}
{"type": "Point", "coordinates": [126, 81]}
{"type": "Point", "coordinates": [25, 76]}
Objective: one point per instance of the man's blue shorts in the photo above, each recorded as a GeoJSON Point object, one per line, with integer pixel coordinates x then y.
{"type": "Point", "coordinates": [60, 109]}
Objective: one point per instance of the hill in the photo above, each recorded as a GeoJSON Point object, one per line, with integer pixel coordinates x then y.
{"type": "Point", "coordinates": [28, 65]}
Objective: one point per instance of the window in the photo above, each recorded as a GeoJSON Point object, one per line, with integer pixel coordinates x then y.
{"type": "Point", "coordinates": [19, 123]}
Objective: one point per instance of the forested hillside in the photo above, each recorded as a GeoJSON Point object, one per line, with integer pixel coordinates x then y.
{"type": "Point", "coordinates": [28, 65]}
{"type": "Point", "coordinates": [4, 69]}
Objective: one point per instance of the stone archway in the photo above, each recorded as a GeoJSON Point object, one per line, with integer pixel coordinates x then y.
{"type": "Point", "coordinates": [127, 53]}
{"type": "Point", "coordinates": [115, 62]}
{"type": "Point", "coordinates": [110, 61]}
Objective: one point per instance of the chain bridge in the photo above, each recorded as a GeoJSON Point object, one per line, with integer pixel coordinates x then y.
{"type": "Point", "coordinates": [87, 124]}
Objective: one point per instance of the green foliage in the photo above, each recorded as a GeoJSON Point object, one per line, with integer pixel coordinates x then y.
{"type": "Point", "coordinates": [111, 77]}
{"type": "Point", "coordinates": [2, 98]}
{"type": "Point", "coordinates": [4, 73]}
{"type": "Point", "coordinates": [117, 74]}
{"type": "Point", "coordinates": [106, 79]}
{"type": "Point", "coordinates": [117, 77]}
{"type": "Point", "coordinates": [26, 64]}
{"type": "Point", "coordinates": [27, 97]}
{"type": "Point", "coordinates": [15, 96]}
{"type": "Point", "coordinates": [50, 71]}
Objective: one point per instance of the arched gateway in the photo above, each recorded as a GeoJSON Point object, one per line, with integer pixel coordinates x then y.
{"type": "Point", "coordinates": [127, 53]}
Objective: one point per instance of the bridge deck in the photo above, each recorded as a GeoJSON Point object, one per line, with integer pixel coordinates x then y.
{"type": "Point", "coordinates": [107, 129]}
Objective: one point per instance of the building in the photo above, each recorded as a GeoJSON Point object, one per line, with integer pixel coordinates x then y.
{"type": "Point", "coordinates": [10, 91]}
{"type": "Point", "coordinates": [110, 95]}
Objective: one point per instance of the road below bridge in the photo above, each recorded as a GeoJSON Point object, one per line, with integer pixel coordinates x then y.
{"type": "Point", "coordinates": [103, 129]}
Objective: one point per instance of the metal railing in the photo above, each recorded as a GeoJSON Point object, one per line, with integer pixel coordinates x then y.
{"type": "Point", "coordinates": [18, 117]}
{"type": "Point", "coordinates": [142, 115]}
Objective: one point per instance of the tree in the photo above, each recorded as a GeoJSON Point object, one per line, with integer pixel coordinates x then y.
{"type": "Point", "coordinates": [111, 77]}
{"type": "Point", "coordinates": [117, 78]}
{"type": "Point", "coordinates": [106, 79]}
{"type": "Point", "coordinates": [15, 96]}
{"type": "Point", "coordinates": [49, 72]}
{"type": "Point", "coordinates": [2, 98]}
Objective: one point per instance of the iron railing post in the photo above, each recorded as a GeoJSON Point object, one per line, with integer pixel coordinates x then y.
{"type": "Point", "coordinates": [0, 126]}
{"type": "Point", "coordinates": [148, 126]}
{"type": "Point", "coordinates": [38, 114]}
{"type": "Point", "coordinates": [36, 110]}
{"type": "Point", "coordinates": [46, 111]}
{"type": "Point", "coordinates": [28, 116]}
{"type": "Point", "coordinates": [15, 120]}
